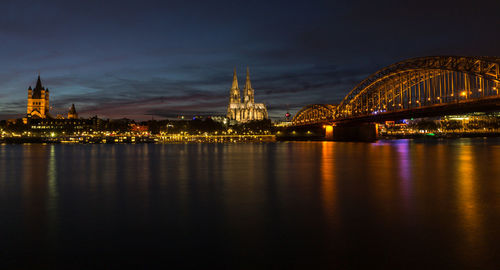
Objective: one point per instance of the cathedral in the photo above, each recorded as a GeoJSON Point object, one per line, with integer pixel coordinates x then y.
{"type": "Point", "coordinates": [247, 110]}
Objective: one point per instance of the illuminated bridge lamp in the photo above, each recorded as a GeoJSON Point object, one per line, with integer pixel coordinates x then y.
{"type": "Point", "coordinates": [463, 93]}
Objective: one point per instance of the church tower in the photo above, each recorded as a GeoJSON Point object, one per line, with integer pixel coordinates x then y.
{"type": "Point", "coordinates": [248, 92]}
{"type": "Point", "coordinates": [233, 109]}
{"type": "Point", "coordinates": [38, 101]}
{"type": "Point", "coordinates": [234, 96]}
{"type": "Point", "coordinates": [72, 114]}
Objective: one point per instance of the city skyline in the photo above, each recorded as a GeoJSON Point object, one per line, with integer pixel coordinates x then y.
{"type": "Point", "coordinates": [154, 59]}
{"type": "Point", "coordinates": [226, 134]}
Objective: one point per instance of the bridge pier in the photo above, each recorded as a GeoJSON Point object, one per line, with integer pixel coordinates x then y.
{"type": "Point", "coordinates": [329, 132]}
{"type": "Point", "coordinates": [366, 132]}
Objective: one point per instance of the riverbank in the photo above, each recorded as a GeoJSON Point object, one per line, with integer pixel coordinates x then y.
{"type": "Point", "coordinates": [438, 135]}
{"type": "Point", "coordinates": [141, 139]}
{"type": "Point", "coordinates": [224, 138]}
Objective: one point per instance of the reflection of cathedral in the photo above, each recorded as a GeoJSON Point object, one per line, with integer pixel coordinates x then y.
{"type": "Point", "coordinates": [246, 110]}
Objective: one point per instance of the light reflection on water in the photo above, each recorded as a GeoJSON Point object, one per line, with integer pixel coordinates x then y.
{"type": "Point", "coordinates": [305, 204]}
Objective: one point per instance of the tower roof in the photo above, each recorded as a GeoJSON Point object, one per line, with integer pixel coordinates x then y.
{"type": "Point", "coordinates": [37, 92]}
{"type": "Point", "coordinates": [38, 83]}
{"type": "Point", "coordinates": [248, 84]}
{"type": "Point", "coordinates": [72, 110]}
{"type": "Point", "coordinates": [235, 80]}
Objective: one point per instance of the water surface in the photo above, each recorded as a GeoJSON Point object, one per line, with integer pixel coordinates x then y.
{"type": "Point", "coordinates": [402, 203]}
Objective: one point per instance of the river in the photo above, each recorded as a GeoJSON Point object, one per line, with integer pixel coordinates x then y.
{"type": "Point", "coordinates": [288, 205]}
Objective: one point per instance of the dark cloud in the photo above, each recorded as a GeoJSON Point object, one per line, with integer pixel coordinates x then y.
{"type": "Point", "coordinates": [165, 58]}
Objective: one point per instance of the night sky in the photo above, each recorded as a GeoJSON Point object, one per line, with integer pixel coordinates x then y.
{"type": "Point", "coordinates": [143, 59]}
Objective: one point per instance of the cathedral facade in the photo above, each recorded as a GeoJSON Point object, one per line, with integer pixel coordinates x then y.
{"type": "Point", "coordinates": [247, 110]}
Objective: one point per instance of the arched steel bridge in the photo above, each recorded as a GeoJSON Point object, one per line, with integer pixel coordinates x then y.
{"type": "Point", "coordinates": [419, 87]}
{"type": "Point", "coordinates": [314, 113]}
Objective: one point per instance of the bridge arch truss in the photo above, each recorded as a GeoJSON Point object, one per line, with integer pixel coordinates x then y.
{"type": "Point", "coordinates": [314, 113]}
{"type": "Point", "coordinates": [420, 82]}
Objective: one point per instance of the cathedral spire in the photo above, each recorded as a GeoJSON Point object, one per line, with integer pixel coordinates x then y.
{"type": "Point", "coordinates": [248, 91]}
{"type": "Point", "coordinates": [234, 96]}
{"type": "Point", "coordinates": [248, 85]}
{"type": "Point", "coordinates": [235, 81]}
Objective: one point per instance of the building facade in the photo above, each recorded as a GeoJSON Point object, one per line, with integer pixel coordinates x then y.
{"type": "Point", "coordinates": [247, 110]}
{"type": "Point", "coordinates": [38, 101]}
{"type": "Point", "coordinates": [39, 119]}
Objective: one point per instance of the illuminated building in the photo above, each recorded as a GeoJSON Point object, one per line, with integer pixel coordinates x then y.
{"type": "Point", "coordinates": [247, 110]}
{"type": "Point", "coordinates": [67, 125]}
{"type": "Point", "coordinates": [72, 114]}
{"type": "Point", "coordinates": [220, 119]}
{"type": "Point", "coordinates": [39, 119]}
{"type": "Point", "coordinates": [38, 101]}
